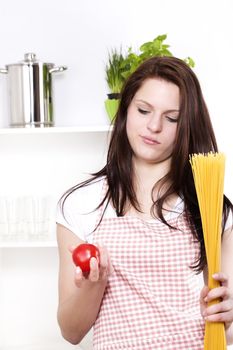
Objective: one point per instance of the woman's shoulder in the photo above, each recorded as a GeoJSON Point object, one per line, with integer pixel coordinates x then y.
{"type": "Point", "coordinates": [86, 197]}
{"type": "Point", "coordinates": [77, 210]}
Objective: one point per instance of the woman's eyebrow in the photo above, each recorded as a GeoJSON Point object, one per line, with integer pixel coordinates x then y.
{"type": "Point", "coordinates": [149, 105]}
{"type": "Point", "coordinates": [172, 110]}
{"type": "Point", "coordinates": [146, 103]}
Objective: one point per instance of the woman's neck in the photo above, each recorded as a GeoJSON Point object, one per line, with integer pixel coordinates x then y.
{"type": "Point", "coordinates": [145, 178]}
{"type": "Point", "coordinates": [146, 175]}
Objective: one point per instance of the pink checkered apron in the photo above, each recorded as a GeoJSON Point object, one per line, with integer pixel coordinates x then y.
{"type": "Point", "coordinates": [152, 298]}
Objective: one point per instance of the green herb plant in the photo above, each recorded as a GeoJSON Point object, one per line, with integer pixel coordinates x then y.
{"type": "Point", "coordinates": [147, 50]}
{"type": "Point", "coordinates": [114, 70]}
{"type": "Point", "coordinates": [119, 67]}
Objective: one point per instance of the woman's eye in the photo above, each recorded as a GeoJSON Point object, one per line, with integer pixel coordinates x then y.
{"type": "Point", "coordinates": [143, 111]}
{"type": "Point", "coordinates": [172, 119]}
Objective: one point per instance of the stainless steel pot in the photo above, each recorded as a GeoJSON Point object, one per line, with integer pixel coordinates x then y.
{"type": "Point", "coordinates": [30, 90]}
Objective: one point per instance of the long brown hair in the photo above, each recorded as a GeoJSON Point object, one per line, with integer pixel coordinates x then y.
{"type": "Point", "coordinates": [194, 134]}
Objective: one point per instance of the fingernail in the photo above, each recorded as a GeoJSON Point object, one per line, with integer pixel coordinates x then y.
{"type": "Point", "coordinates": [78, 270]}
{"type": "Point", "coordinates": [93, 263]}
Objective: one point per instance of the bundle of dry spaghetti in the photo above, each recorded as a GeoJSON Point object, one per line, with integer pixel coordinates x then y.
{"type": "Point", "coordinates": [208, 172]}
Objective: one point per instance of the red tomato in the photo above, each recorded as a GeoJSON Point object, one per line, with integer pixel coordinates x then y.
{"type": "Point", "coordinates": [82, 255]}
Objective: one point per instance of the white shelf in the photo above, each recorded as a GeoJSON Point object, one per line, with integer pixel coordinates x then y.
{"type": "Point", "coordinates": [56, 130]}
{"type": "Point", "coordinates": [28, 244]}
{"type": "Point", "coordinates": [39, 162]}
{"type": "Point", "coordinates": [55, 155]}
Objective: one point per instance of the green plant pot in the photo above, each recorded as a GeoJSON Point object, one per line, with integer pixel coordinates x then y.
{"type": "Point", "coordinates": [111, 107]}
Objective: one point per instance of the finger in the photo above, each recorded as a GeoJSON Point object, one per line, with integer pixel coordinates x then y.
{"type": "Point", "coordinates": [94, 270]}
{"type": "Point", "coordinates": [205, 290]}
{"type": "Point", "coordinates": [103, 257]}
{"type": "Point", "coordinates": [216, 293]}
{"type": "Point", "coordinates": [78, 277]}
{"type": "Point", "coordinates": [220, 317]}
{"type": "Point", "coordinates": [221, 277]}
{"type": "Point", "coordinates": [203, 303]}
{"type": "Point", "coordinates": [106, 267]}
{"type": "Point", "coordinates": [71, 248]}
{"type": "Point", "coordinates": [203, 295]}
{"type": "Point", "coordinates": [224, 306]}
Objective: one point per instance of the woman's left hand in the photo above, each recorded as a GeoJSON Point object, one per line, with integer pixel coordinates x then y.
{"type": "Point", "coordinates": [222, 311]}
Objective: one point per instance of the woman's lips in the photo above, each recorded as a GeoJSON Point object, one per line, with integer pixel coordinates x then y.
{"type": "Point", "coordinates": [149, 140]}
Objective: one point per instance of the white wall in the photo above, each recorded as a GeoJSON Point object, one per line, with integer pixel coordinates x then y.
{"type": "Point", "coordinates": [79, 33]}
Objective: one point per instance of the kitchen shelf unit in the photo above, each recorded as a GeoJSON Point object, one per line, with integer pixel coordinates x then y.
{"type": "Point", "coordinates": [56, 130]}
{"type": "Point", "coordinates": [48, 160]}
{"type": "Point", "coordinates": [26, 244]}
{"type": "Point", "coordinates": [39, 161]}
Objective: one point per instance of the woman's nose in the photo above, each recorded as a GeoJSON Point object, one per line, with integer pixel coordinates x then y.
{"type": "Point", "coordinates": [155, 123]}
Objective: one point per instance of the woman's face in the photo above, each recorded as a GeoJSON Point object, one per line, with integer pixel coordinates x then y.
{"type": "Point", "coordinates": [152, 120]}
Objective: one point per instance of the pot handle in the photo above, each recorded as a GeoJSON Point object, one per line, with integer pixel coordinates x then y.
{"type": "Point", "coordinates": [57, 69]}
{"type": "Point", "coordinates": [3, 70]}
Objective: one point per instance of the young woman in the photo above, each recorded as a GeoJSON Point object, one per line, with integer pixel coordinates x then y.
{"type": "Point", "coordinates": [142, 211]}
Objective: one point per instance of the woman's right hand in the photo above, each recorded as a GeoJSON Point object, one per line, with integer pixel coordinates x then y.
{"type": "Point", "coordinates": [79, 297]}
{"type": "Point", "coordinates": [98, 272]}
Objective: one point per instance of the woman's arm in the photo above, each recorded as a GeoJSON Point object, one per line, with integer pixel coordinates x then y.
{"type": "Point", "coordinates": [223, 311]}
{"type": "Point", "coordinates": [79, 298]}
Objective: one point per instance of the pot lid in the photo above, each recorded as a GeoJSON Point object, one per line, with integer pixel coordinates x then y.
{"type": "Point", "coordinates": [29, 59]}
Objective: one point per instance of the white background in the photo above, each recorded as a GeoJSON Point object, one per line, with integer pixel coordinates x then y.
{"type": "Point", "coordinates": [79, 34]}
